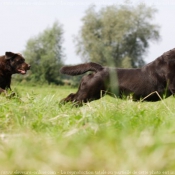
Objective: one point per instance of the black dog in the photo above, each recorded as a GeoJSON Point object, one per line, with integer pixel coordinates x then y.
{"type": "Point", "coordinates": [11, 63]}
{"type": "Point", "coordinates": [158, 76]}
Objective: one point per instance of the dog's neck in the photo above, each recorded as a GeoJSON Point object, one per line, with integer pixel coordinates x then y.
{"type": "Point", "coordinates": [5, 67]}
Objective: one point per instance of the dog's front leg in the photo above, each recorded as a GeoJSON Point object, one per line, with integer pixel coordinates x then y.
{"type": "Point", "coordinates": [69, 98]}
{"type": "Point", "coordinates": [3, 91]}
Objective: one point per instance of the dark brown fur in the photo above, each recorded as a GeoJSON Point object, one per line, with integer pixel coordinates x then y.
{"type": "Point", "coordinates": [158, 75]}
{"type": "Point", "coordinates": [11, 63]}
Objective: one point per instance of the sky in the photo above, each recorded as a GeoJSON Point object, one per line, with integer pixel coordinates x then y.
{"type": "Point", "coordinates": [21, 20]}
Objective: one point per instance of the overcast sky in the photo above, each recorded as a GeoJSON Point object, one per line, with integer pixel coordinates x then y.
{"type": "Point", "coordinates": [22, 19]}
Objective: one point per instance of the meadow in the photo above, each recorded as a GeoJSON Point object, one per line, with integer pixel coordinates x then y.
{"type": "Point", "coordinates": [106, 136]}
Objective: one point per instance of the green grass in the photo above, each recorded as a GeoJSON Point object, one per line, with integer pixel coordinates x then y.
{"type": "Point", "coordinates": [107, 136]}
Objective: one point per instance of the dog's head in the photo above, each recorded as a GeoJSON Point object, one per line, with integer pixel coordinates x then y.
{"type": "Point", "coordinates": [17, 63]}
{"type": "Point", "coordinates": [168, 65]}
{"type": "Point", "coordinates": [169, 55]}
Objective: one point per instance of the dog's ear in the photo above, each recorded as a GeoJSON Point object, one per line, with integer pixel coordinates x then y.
{"type": "Point", "coordinates": [9, 55]}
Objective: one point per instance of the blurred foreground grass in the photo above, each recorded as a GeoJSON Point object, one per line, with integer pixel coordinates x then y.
{"type": "Point", "coordinates": [107, 136]}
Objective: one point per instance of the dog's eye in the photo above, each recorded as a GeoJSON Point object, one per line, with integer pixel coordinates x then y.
{"type": "Point", "coordinates": [20, 61]}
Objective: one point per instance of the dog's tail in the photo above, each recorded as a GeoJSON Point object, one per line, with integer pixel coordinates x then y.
{"type": "Point", "coordinates": [81, 68]}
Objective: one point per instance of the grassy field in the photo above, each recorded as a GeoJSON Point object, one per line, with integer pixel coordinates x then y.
{"type": "Point", "coordinates": [107, 136]}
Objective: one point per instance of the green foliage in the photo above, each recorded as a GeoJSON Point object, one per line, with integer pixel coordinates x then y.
{"type": "Point", "coordinates": [117, 35]}
{"type": "Point", "coordinates": [37, 134]}
{"type": "Point", "coordinates": [45, 55]}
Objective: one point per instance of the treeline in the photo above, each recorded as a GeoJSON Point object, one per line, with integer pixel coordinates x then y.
{"type": "Point", "coordinates": [115, 36]}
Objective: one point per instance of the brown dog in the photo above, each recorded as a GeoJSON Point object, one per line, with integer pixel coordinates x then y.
{"type": "Point", "coordinates": [158, 76]}
{"type": "Point", "coordinates": [11, 63]}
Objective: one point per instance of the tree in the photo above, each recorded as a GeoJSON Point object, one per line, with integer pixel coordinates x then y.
{"type": "Point", "coordinates": [45, 55]}
{"type": "Point", "coordinates": [117, 35]}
